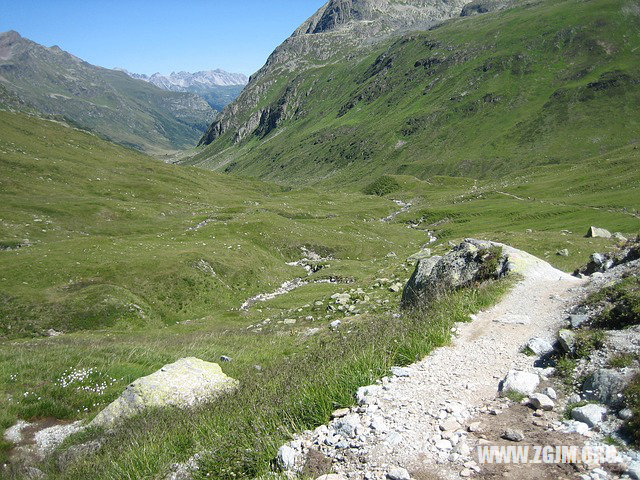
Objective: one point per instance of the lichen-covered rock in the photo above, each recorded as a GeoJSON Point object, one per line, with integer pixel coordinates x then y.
{"type": "Point", "coordinates": [471, 261]}
{"type": "Point", "coordinates": [183, 384]}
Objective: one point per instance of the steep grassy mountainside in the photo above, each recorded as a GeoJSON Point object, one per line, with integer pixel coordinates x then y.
{"type": "Point", "coordinates": [107, 102]}
{"type": "Point", "coordinates": [545, 83]}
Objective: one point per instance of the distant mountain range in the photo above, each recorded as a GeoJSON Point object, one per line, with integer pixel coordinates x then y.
{"type": "Point", "coordinates": [107, 102]}
{"type": "Point", "coordinates": [217, 87]}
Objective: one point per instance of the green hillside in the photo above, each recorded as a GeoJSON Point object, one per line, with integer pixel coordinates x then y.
{"type": "Point", "coordinates": [547, 83]}
{"type": "Point", "coordinates": [107, 102]}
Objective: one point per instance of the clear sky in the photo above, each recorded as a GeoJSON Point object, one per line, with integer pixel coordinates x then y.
{"type": "Point", "coordinates": [146, 36]}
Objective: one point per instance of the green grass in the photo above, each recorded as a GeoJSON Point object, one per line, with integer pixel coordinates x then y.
{"type": "Point", "coordinates": [622, 360]}
{"type": "Point", "coordinates": [243, 431]}
{"type": "Point", "coordinates": [632, 396]}
{"type": "Point", "coordinates": [621, 304]}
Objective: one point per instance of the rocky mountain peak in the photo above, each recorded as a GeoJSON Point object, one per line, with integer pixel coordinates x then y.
{"type": "Point", "coordinates": [10, 37]}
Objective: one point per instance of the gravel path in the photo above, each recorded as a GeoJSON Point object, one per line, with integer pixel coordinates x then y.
{"type": "Point", "coordinates": [415, 419]}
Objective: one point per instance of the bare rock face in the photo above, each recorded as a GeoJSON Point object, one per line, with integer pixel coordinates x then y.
{"type": "Point", "coordinates": [183, 384]}
{"type": "Point", "coordinates": [471, 261]}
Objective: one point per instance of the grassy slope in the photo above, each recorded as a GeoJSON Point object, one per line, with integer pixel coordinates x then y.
{"type": "Point", "coordinates": [544, 84]}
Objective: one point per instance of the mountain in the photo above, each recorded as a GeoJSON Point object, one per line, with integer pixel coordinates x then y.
{"type": "Point", "coordinates": [360, 91]}
{"type": "Point", "coordinates": [106, 102]}
{"type": "Point", "coordinates": [217, 87]}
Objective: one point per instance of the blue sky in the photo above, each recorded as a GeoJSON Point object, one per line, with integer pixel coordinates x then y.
{"type": "Point", "coordinates": [147, 36]}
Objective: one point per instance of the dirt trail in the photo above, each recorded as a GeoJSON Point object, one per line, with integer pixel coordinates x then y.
{"type": "Point", "coordinates": [401, 421]}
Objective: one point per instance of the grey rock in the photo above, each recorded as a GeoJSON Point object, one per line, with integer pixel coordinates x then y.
{"type": "Point", "coordinates": [521, 382]}
{"type": "Point", "coordinates": [567, 340]}
{"type": "Point", "coordinates": [577, 320]}
{"type": "Point", "coordinates": [563, 253]}
{"type": "Point", "coordinates": [595, 232]}
{"type": "Point", "coordinates": [607, 386]}
{"type": "Point", "coordinates": [364, 395]}
{"type": "Point", "coordinates": [572, 426]}
{"type": "Point", "coordinates": [540, 346]}
{"type": "Point", "coordinates": [286, 458]}
{"type": "Point", "coordinates": [620, 237]}
{"type": "Point", "coordinates": [463, 265]}
{"type": "Point", "coordinates": [513, 435]}
{"type": "Point", "coordinates": [591, 414]}
{"type": "Point", "coordinates": [551, 393]}
{"type": "Point", "coordinates": [625, 414]}
{"type": "Point", "coordinates": [183, 384]}
{"type": "Point", "coordinates": [398, 474]}
{"type": "Point", "coordinates": [331, 476]}
{"type": "Point", "coordinates": [540, 401]}
{"type": "Point", "coordinates": [634, 470]}
{"type": "Point", "coordinates": [401, 371]}
{"type": "Point", "coordinates": [224, 358]}
{"type": "Point", "coordinates": [347, 425]}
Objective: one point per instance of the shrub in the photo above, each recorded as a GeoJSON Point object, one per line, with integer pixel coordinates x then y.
{"type": "Point", "coordinates": [382, 186]}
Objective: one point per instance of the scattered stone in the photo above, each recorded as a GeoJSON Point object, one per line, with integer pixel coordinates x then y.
{"type": "Point", "coordinates": [398, 474]}
{"type": "Point", "coordinates": [563, 253]}
{"type": "Point", "coordinates": [541, 401]}
{"type": "Point", "coordinates": [540, 346]}
{"type": "Point", "coordinates": [625, 414]}
{"type": "Point", "coordinates": [289, 321]}
{"type": "Point", "coordinates": [595, 232]}
{"type": "Point", "coordinates": [513, 435]}
{"type": "Point", "coordinates": [619, 236]}
{"type": "Point", "coordinates": [224, 358]}
{"type": "Point", "coordinates": [341, 412]}
{"type": "Point", "coordinates": [335, 324]}
{"type": "Point", "coordinates": [591, 414]}
{"type": "Point", "coordinates": [444, 444]}
{"type": "Point", "coordinates": [551, 393]}
{"type": "Point", "coordinates": [572, 426]}
{"type": "Point", "coordinates": [474, 427]}
{"type": "Point", "coordinates": [183, 384]}
{"type": "Point", "coordinates": [567, 340]}
{"type": "Point", "coordinates": [14, 434]}
{"type": "Point", "coordinates": [364, 394]}
{"type": "Point", "coordinates": [450, 425]}
{"type": "Point", "coordinates": [347, 425]}
{"type": "Point", "coordinates": [396, 287]}
{"type": "Point", "coordinates": [577, 320]}
{"type": "Point", "coordinates": [634, 470]}
{"type": "Point", "coordinates": [521, 382]}
{"type": "Point", "coordinates": [331, 476]}
{"type": "Point", "coordinates": [401, 371]}
{"type": "Point", "coordinates": [287, 457]}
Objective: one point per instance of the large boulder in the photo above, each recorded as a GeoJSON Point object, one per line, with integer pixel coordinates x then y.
{"type": "Point", "coordinates": [607, 386]}
{"type": "Point", "coordinates": [595, 232]}
{"type": "Point", "coordinates": [183, 384]}
{"type": "Point", "coordinates": [471, 261]}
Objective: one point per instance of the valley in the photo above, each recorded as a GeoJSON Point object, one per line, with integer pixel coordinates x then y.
{"type": "Point", "coordinates": [381, 134]}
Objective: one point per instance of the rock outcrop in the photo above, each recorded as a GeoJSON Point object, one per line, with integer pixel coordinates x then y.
{"type": "Point", "coordinates": [185, 383]}
{"type": "Point", "coordinates": [601, 262]}
{"type": "Point", "coordinates": [471, 261]}
{"type": "Point", "coordinates": [337, 29]}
